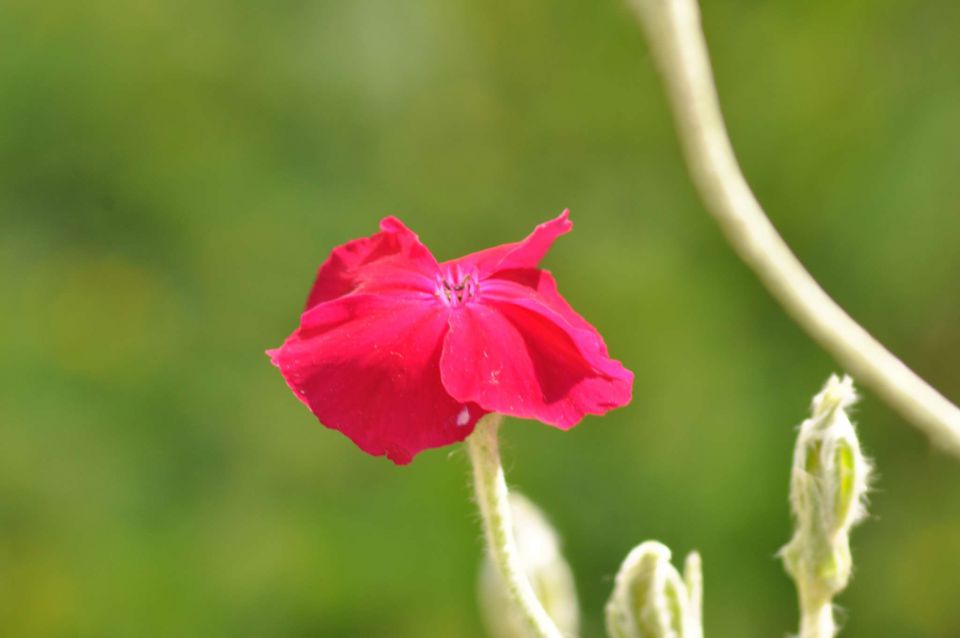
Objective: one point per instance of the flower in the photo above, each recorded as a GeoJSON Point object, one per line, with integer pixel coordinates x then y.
{"type": "Point", "coordinates": [402, 353]}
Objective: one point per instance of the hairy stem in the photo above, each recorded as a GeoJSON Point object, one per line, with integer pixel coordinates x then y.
{"type": "Point", "coordinates": [816, 620]}
{"type": "Point", "coordinates": [677, 43]}
{"type": "Point", "coordinates": [492, 498]}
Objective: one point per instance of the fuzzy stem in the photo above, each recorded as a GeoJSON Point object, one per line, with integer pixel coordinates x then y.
{"type": "Point", "coordinates": [677, 43]}
{"type": "Point", "coordinates": [492, 498]}
{"type": "Point", "coordinates": [816, 619]}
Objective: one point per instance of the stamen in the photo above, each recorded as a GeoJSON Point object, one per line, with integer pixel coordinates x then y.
{"type": "Point", "coordinates": [455, 288]}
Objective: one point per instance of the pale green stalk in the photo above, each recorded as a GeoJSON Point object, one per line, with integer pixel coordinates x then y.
{"type": "Point", "coordinates": [493, 501]}
{"type": "Point", "coordinates": [651, 600]}
{"type": "Point", "coordinates": [678, 46]}
{"type": "Point", "coordinates": [816, 619]}
{"type": "Point", "coordinates": [693, 579]}
{"type": "Point", "coordinates": [828, 487]}
{"type": "Point", "coordinates": [546, 569]}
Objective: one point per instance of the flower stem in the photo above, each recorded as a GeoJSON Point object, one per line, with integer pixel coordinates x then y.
{"type": "Point", "coordinates": [677, 43]}
{"type": "Point", "coordinates": [492, 498]}
{"type": "Point", "coordinates": [816, 619]}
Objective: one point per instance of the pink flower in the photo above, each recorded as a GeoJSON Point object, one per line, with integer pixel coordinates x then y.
{"type": "Point", "coordinates": [402, 353]}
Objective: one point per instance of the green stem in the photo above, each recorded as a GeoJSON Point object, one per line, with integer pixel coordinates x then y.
{"type": "Point", "coordinates": [678, 46]}
{"type": "Point", "coordinates": [492, 498]}
{"type": "Point", "coordinates": [816, 619]}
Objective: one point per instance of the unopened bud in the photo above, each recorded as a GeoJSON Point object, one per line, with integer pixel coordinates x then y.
{"type": "Point", "coordinates": [651, 600]}
{"type": "Point", "coordinates": [545, 568]}
{"type": "Point", "coordinates": [828, 486]}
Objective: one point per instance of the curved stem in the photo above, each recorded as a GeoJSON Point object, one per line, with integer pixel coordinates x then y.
{"type": "Point", "coordinates": [492, 498]}
{"type": "Point", "coordinates": [677, 42]}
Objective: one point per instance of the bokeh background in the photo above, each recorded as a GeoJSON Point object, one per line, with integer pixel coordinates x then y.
{"type": "Point", "coordinates": [172, 172]}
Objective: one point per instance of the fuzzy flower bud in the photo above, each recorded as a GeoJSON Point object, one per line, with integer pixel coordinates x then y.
{"type": "Point", "coordinates": [828, 486]}
{"type": "Point", "coordinates": [545, 568]}
{"type": "Point", "coordinates": [651, 600]}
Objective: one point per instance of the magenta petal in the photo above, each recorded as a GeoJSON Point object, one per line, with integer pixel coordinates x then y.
{"type": "Point", "coordinates": [522, 359]}
{"type": "Point", "coordinates": [403, 354]}
{"type": "Point", "coordinates": [392, 259]}
{"type": "Point", "coordinates": [538, 288]}
{"type": "Point", "coordinates": [522, 254]}
{"type": "Point", "coordinates": [368, 366]}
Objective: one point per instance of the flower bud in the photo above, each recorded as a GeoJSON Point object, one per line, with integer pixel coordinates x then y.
{"type": "Point", "coordinates": [651, 600]}
{"type": "Point", "coordinates": [828, 486]}
{"type": "Point", "coordinates": [545, 568]}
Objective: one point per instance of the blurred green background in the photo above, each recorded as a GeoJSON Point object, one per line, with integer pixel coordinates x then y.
{"type": "Point", "coordinates": [172, 172]}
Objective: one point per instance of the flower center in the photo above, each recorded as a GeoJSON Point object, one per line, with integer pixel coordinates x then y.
{"type": "Point", "coordinates": [455, 288]}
